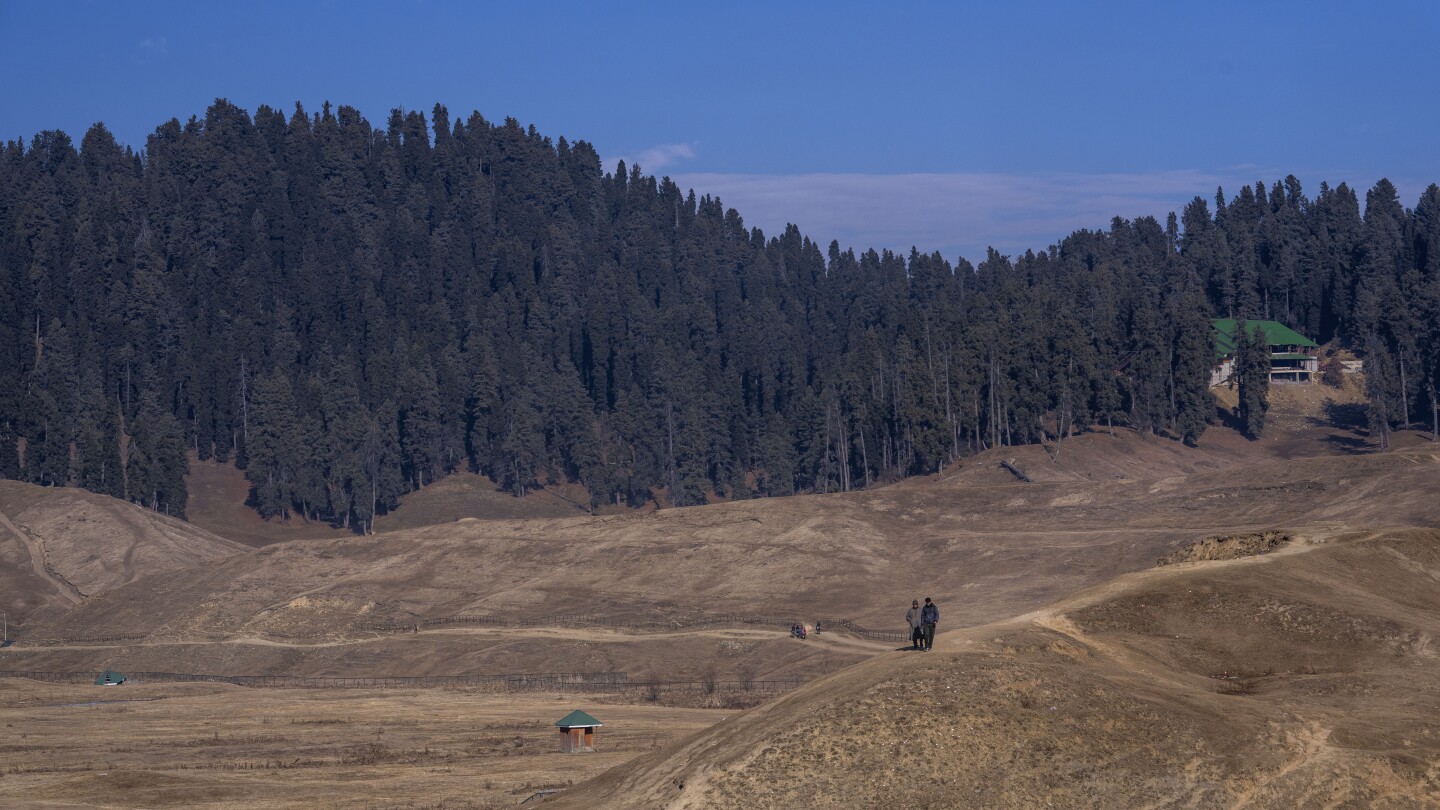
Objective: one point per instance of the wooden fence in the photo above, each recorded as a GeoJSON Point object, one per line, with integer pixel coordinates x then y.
{"type": "Point", "coordinates": [545, 681]}
{"type": "Point", "coordinates": [562, 620]}
{"type": "Point", "coordinates": [689, 623]}
{"type": "Point", "coordinates": [56, 642]}
{"type": "Point", "coordinates": [512, 682]}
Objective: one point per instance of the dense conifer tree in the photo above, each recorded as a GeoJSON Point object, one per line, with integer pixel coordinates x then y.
{"type": "Point", "coordinates": [274, 438]}
{"type": "Point", "coordinates": [350, 313]}
{"type": "Point", "coordinates": [1381, 383]}
{"type": "Point", "coordinates": [1252, 374]}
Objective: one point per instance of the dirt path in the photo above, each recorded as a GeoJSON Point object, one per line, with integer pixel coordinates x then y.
{"type": "Point", "coordinates": [830, 639]}
{"type": "Point", "coordinates": [1310, 743]}
{"type": "Point", "coordinates": [851, 642]}
{"type": "Point", "coordinates": [1054, 616]}
{"type": "Point", "coordinates": [36, 548]}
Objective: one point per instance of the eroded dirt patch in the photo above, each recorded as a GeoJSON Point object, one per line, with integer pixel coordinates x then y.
{"type": "Point", "coordinates": [1227, 547]}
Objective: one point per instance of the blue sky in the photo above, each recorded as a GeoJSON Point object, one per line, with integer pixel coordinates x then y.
{"type": "Point", "coordinates": [948, 126]}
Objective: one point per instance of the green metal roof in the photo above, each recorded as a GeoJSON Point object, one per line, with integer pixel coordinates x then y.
{"type": "Point", "coordinates": [1224, 346]}
{"type": "Point", "coordinates": [1276, 334]}
{"type": "Point", "coordinates": [577, 718]}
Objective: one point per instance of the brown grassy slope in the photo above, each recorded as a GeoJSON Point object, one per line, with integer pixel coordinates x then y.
{"type": "Point", "coordinates": [218, 493]}
{"type": "Point", "coordinates": [59, 545]}
{"type": "Point", "coordinates": [1303, 678]}
{"type": "Point", "coordinates": [985, 552]}
{"type": "Point", "coordinates": [1303, 422]}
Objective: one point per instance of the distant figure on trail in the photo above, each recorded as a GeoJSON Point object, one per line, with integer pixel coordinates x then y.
{"type": "Point", "coordinates": [913, 618]}
{"type": "Point", "coordinates": [929, 617]}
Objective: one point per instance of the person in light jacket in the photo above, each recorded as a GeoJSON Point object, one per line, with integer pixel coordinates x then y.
{"type": "Point", "coordinates": [913, 618]}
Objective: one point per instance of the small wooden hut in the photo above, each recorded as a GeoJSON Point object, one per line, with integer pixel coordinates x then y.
{"type": "Point", "coordinates": [577, 732]}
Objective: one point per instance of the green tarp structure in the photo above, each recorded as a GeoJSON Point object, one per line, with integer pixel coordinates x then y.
{"type": "Point", "coordinates": [577, 719]}
{"type": "Point", "coordinates": [109, 678]}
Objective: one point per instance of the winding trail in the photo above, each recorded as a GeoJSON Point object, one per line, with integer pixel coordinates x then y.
{"type": "Point", "coordinates": [36, 548]}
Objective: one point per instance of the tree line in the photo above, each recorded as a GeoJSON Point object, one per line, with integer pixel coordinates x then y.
{"type": "Point", "coordinates": [349, 313]}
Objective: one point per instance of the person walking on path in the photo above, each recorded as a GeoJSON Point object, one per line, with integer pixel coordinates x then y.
{"type": "Point", "coordinates": [929, 617]}
{"type": "Point", "coordinates": [912, 618]}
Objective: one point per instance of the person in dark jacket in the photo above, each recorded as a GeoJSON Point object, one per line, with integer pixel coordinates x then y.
{"type": "Point", "coordinates": [912, 618]}
{"type": "Point", "coordinates": [929, 617]}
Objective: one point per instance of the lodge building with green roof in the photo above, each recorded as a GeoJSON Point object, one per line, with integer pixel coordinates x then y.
{"type": "Point", "coordinates": [1293, 357]}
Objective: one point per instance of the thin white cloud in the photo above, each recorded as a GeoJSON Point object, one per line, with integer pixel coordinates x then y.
{"type": "Point", "coordinates": [151, 51]}
{"type": "Point", "coordinates": [964, 213]}
{"type": "Point", "coordinates": [657, 158]}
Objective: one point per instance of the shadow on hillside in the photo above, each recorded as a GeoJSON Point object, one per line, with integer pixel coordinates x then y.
{"type": "Point", "coordinates": [1229, 418]}
{"type": "Point", "coordinates": [1348, 444]}
{"type": "Point", "coordinates": [1350, 415]}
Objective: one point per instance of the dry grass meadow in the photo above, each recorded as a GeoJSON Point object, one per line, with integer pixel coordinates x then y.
{"type": "Point", "coordinates": [1281, 656]}
{"type": "Point", "coordinates": [221, 746]}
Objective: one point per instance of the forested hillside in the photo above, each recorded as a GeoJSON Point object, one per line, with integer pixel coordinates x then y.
{"type": "Point", "coordinates": [350, 313]}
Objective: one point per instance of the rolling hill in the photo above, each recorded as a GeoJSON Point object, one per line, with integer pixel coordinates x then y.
{"type": "Point", "coordinates": [986, 551]}
{"type": "Point", "coordinates": [1074, 670]}
{"type": "Point", "coordinates": [1304, 678]}
{"type": "Point", "coordinates": [62, 546]}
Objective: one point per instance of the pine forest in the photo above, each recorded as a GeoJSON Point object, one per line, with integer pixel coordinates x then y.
{"type": "Point", "coordinates": [350, 313]}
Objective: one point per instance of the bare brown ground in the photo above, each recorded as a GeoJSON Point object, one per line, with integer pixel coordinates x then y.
{"type": "Point", "coordinates": [217, 503]}
{"type": "Point", "coordinates": [218, 493]}
{"type": "Point", "coordinates": [60, 545]}
{"type": "Point", "coordinates": [984, 551]}
{"type": "Point", "coordinates": [216, 746]}
{"type": "Point", "coordinates": [1302, 678]}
